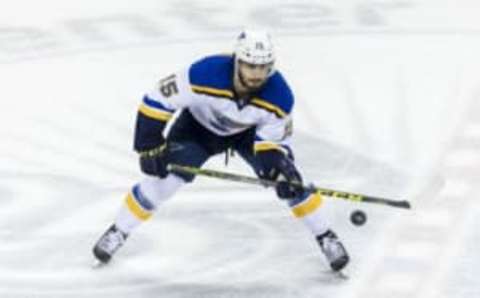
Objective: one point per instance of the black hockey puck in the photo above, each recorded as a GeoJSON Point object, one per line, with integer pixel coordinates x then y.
{"type": "Point", "coordinates": [358, 217]}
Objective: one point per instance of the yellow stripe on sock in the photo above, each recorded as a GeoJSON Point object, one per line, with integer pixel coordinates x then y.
{"type": "Point", "coordinates": [309, 206]}
{"type": "Point", "coordinates": [136, 209]}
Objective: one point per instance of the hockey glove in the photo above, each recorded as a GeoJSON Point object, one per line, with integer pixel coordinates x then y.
{"type": "Point", "coordinates": [276, 166]}
{"type": "Point", "coordinates": [154, 161]}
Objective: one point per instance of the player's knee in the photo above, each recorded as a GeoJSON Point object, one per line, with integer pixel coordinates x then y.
{"type": "Point", "coordinates": [187, 178]}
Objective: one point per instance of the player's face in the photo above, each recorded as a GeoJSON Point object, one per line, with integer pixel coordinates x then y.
{"type": "Point", "coordinates": [253, 76]}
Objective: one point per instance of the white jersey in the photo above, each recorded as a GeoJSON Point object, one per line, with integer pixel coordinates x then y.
{"type": "Point", "coordinates": [206, 90]}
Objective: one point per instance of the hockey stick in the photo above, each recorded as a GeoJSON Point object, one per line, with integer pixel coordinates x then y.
{"type": "Point", "coordinates": [268, 183]}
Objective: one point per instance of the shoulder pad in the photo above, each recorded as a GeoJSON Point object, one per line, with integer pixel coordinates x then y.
{"type": "Point", "coordinates": [276, 95]}
{"type": "Point", "coordinates": [212, 72]}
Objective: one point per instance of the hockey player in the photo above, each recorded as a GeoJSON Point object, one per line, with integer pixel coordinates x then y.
{"type": "Point", "coordinates": [234, 102]}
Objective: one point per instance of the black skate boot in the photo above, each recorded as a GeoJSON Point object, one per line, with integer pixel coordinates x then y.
{"type": "Point", "coordinates": [108, 244]}
{"type": "Point", "coordinates": [334, 250]}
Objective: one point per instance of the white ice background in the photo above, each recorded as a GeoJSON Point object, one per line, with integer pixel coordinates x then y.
{"type": "Point", "coordinates": [386, 104]}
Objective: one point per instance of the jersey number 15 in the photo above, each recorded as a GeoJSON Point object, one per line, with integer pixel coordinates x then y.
{"type": "Point", "coordinates": [168, 86]}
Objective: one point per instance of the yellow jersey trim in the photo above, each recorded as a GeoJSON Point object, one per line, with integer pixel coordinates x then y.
{"type": "Point", "coordinates": [155, 114]}
{"type": "Point", "coordinates": [212, 91]}
{"type": "Point", "coordinates": [256, 101]}
{"type": "Point", "coordinates": [268, 106]}
{"type": "Point", "coordinates": [265, 146]}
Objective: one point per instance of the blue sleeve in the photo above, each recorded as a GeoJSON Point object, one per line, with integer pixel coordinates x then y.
{"type": "Point", "coordinates": [148, 133]}
{"type": "Point", "coordinates": [152, 118]}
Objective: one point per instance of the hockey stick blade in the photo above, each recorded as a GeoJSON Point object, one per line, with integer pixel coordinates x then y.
{"type": "Point", "coordinates": [268, 183]}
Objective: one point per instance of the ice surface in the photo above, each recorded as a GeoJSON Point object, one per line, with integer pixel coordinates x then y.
{"type": "Point", "coordinates": [387, 104]}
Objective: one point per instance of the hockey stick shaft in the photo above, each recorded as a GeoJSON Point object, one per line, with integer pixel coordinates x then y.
{"type": "Point", "coordinates": [268, 183]}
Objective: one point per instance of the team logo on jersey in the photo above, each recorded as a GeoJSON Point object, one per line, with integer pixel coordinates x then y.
{"type": "Point", "coordinates": [226, 124]}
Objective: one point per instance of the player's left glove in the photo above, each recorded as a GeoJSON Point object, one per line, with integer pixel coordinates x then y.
{"type": "Point", "coordinates": [277, 166]}
{"type": "Point", "coordinates": [154, 161]}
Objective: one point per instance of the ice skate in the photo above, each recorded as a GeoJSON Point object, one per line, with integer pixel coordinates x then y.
{"type": "Point", "coordinates": [108, 244]}
{"type": "Point", "coordinates": [334, 250]}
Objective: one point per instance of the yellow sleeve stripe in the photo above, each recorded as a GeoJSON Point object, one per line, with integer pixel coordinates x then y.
{"type": "Point", "coordinates": [154, 113]}
{"type": "Point", "coordinates": [212, 91]}
{"type": "Point", "coordinates": [268, 106]}
{"type": "Point", "coordinates": [312, 203]}
{"type": "Point", "coordinates": [136, 209]}
{"type": "Point", "coordinates": [265, 146]}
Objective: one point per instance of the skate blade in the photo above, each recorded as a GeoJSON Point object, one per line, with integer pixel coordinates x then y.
{"type": "Point", "coordinates": [341, 275]}
{"type": "Point", "coordinates": [97, 264]}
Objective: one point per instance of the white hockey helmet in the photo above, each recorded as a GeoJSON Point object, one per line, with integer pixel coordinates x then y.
{"type": "Point", "coordinates": [255, 47]}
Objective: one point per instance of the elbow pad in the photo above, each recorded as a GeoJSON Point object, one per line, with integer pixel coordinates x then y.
{"type": "Point", "coordinates": [148, 133]}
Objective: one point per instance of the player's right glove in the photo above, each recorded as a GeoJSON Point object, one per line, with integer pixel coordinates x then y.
{"type": "Point", "coordinates": [151, 145]}
{"type": "Point", "coordinates": [154, 161]}
{"type": "Point", "coordinates": [277, 166]}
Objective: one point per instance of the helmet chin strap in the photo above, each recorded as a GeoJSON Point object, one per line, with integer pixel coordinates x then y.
{"type": "Point", "coordinates": [241, 79]}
